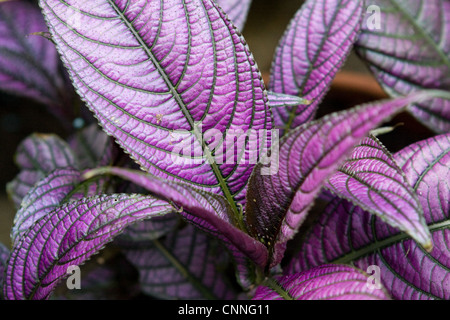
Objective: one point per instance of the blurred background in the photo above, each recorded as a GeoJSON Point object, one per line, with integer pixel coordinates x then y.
{"type": "Point", "coordinates": [266, 23]}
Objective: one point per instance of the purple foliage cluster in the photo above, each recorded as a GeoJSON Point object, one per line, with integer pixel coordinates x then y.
{"type": "Point", "coordinates": [200, 178]}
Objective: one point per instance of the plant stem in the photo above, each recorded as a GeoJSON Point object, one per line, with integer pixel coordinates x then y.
{"type": "Point", "coordinates": [275, 286]}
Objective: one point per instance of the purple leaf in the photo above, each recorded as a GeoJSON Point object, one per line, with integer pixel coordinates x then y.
{"type": "Point", "coordinates": [184, 265]}
{"type": "Point", "coordinates": [44, 153]}
{"type": "Point", "coordinates": [407, 47]}
{"type": "Point", "coordinates": [18, 188]}
{"type": "Point", "coordinates": [311, 52]}
{"type": "Point", "coordinates": [36, 157]}
{"type": "Point", "coordinates": [150, 229]}
{"type": "Point", "coordinates": [372, 180]}
{"type": "Point", "coordinates": [153, 70]}
{"type": "Point", "coordinates": [46, 196]}
{"type": "Point", "coordinates": [92, 147]}
{"type": "Point", "coordinates": [278, 203]}
{"type": "Point", "coordinates": [347, 234]}
{"type": "Point", "coordinates": [207, 211]}
{"type": "Point", "coordinates": [68, 236]}
{"type": "Point", "coordinates": [326, 282]}
{"type": "Point", "coordinates": [4, 256]}
{"type": "Point", "coordinates": [29, 64]}
{"type": "Point", "coordinates": [237, 11]}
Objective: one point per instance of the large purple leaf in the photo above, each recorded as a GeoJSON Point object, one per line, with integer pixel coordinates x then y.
{"type": "Point", "coordinates": [207, 211]}
{"type": "Point", "coordinates": [29, 64]}
{"type": "Point", "coordinates": [46, 196]}
{"type": "Point", "coordinates": [278, 203]}
{"type": "Point", "coordinates": [4, 256]}
{"type": "Point", "coordinates": [327, 282]}
{"type": "Point", "coordinates": [372, 180]}
{"type": "Point", "coordinates": [68, 236]}
{"type": "Point", "coordinates": [237, 11]}
{"type": "Point", "coordinates": [150, 69]}
{"type": "Point", "coordinates": [407, 48]}
{"type": "Point", "coordinates": [36, 157]}
{"type": "Point", "coordinates": [347, 234]}
{"type": "Point", "coordinates": [186, 264]}
{"type": "Point", "coordinates": [312, 50]}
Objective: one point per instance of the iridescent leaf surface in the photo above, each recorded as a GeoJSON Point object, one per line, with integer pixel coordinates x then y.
{"type": "Point", "coordinates": [278, 203]}
{"type": "Point", "coordinates": [207, 211]}
{"type": "Point", "coordinates": [44, 153]}
{"type": "Point", "coordinates": [37, 156]}
{"type": "Point", "coordinates": [154, 70]}
{"type": "Point", "coordinates": [347, 234]}
{"type": "Point", "coordinates": [312, 50]}
{"type": "Point", "coordinates": [407, 47]}
{"type": "Point", "coordinates": [44, 198]}
{"type": "Point", "coordinates": [68, 236]}
{"type": "Point", "coordinates": [372, 180]}
{"type": "Point", "coordinates": [327, 282]}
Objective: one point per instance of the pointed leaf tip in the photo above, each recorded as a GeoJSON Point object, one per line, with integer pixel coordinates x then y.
{"type": "Point", "coordinates": [372, 180]}
{"type": "Point", "coordinates": [278, 204]}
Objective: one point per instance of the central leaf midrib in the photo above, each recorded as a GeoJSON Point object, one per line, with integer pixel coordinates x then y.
{"type": "Point", "coordinates": [378, 245]}
{"type": "Point", "coordinates": [170, 85]}
{"type": "Point", "coordinates": [184, 270]}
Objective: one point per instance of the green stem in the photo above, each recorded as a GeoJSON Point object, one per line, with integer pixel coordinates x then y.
{"type": "Point", "coordinates": [79, 187]}
{"type": "Point", "coordinates": [275, 286]}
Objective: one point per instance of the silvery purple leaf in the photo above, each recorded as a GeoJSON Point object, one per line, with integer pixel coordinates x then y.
{"type": "Point", "coordinates": [161, 75]}
{"type": "Point", "coordinates": [237, 11]}
{"type": "Point", "coordinates": [44, 153]}
{"type": "Point", "coordinates": [345, 233]}
{"type": "Point", "coordinates": [92, 147]}
{"type": "Point", "coordinates": [46, 196]}
{"type": "Point", "coordinates": [372, 180]}
{"type": "Point", "coordinates": [407, 47]}
{"type": "Point", "coordinates": [18, 188]}
{"type": "Point", "coordinates": [186, 264]}
{"type": "Point", "coordinates": [68, 236]}
{"type": "Point", "coordinates": [278, 203]}
{"type": "Point", "coordinates": [311, 52]}
{"type": "Point", "coordinates": [326, 282]}
{"type": "Point", "coordinates": [4, 256]}
{"type": "Point", "coordinates": [29, 64]}
{"type": "Point", "coordinates": [36, 157]}
{"type": "Point", "coordinates": [208, 211]}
